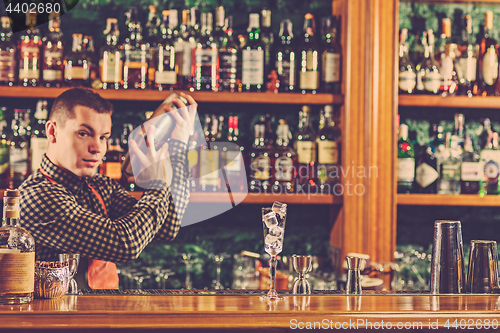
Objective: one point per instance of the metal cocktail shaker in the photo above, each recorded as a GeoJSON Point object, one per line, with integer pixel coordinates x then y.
{"type": "Point", "coordinates": [164, 124]}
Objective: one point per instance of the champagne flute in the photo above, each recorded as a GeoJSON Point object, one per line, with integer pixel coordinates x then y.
{"type": "Point", "coordinates": [274, 230]}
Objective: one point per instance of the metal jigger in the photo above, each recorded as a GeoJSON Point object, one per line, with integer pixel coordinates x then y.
{"type": "Point", "coordinates": [302, 265]}
{"type": "Point", "coordinates": [447, 267]}
{"type": "Point", "coordinates": [353, 285]}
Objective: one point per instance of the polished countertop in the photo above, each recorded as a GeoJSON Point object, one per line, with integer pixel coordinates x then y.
{"type": "Point", "coordinates": [215, 311]}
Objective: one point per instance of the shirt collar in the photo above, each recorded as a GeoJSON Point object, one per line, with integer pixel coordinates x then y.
{"type": "Point", "coordinates": [61, 176]}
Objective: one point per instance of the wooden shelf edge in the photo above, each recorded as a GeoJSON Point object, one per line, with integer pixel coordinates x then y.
{"type": "Point", "coordinates": [262, 198]}
{"type": "Point", "coordinates": [199, 96]}
{"type": "Point", "coordinates": [472, 200]}
{"type": "Point", "coordinates": [476, 2]}
{"type": "Point", "coordinates": [463, 102]}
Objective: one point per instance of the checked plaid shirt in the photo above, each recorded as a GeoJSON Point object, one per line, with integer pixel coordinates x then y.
{"type": "Point", "coordinates": [67, 217]}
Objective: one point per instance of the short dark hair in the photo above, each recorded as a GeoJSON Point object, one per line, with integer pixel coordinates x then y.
{"type": "Point", "coordinates": [64, 105]}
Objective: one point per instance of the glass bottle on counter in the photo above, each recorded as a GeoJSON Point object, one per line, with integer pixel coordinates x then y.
{"type": "Point", "coordinates": [229, 60]}
{"type": "Point", "coordinates": [286, 58]}
{"type": "Point", "coordinates": [29, 54]}
{"type": "Point", "coordinates": [449, 162]}
{"type": "Point", "coordinates": [306, 152]}
{"type": "Point", "coordinates": [39, 142]}
{"type": "Point", "coordinates": [490, 158]}
{"type": "Point", "coordinates": [111, 61]}
{"type": "Point", "coordinates": [309, 58]}
{"type": "Point", "coordinates": [259, 173]}
{"type": "Point", "coordinates": [7, 54]}
{"type": "Point", "coordinates": [53, 54]}
{"type": "Point", "coordinates": [205, 62]}
{"type": "Point", "coordinates": [4, 150]}
{"type": "Point", "coordinates": [428, 76]}
{"type": "Point", "coordinates": [488, 59]}
{"type": "Point", "coordinates": [329, 144]}
{"type": "Point", "coordinates": [19, 150]}
{"type": "Point", "coordinates": [77, 65]}
{"type": "Point", "coordinates": [166, 73]}
{"type": "Point", "coordinates": [331, 56]}
{"type": "Point", "coordinates": [407, 76]}
{"type": "Point", "coordinates": [284, 159]}
{"type": "Point", "coordinates": [467, 61]}
{"type": "Point", "coordinates": [17, 247]}
{"type": "Point", "coordinates": [252, 57]}
{"type": "Point", "coordinates": [406, 161]}
{"type": "Point", "coordinates": [471, 169]}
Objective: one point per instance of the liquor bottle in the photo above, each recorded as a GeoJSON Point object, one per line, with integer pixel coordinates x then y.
{"type": "Point", "coordinates": [306, 152]}
{"type": "Point", "coordinates": [210, 180]}
{"type": "Point", "coordinates": [29, 53]}
{"type": "Point", "coordinates": [284, 159]}
{"type": "Point", "coordinates": [127, 183]}
{"type": "Point", "coordinates": [151, 39]}
{"type": "Point", "coordinates": [252, 57]}
{"type": "Point", "coordinates": [77, 65]}
{"type": "Point", "coordinates": [19, 150]}
{"type": "Point", "coordinates": [406, 161]}
{"type": "Point", "coordinates": [331, 56]}
{"type": "Point", "coordinates": [112, 162]}
{"type": "Point", "coordinates": [428, 76]}
{"type": "Point", "coordinates": [485, 136]}
{"type": "Point", "coordinates": [458, 134]}
{"type": "Point", "coordinates": [205, 62]}
{"type": "Point", "coordinates": [53, 53]}
{"type": "Point", "coordinates": [165, 73]}
{"type": "Point", "coordinates": [219, 32]}
{"type": "Point", "coordinates": [488, 59]}
{"type": "Point", "coordinates": [444, 39]}
{"type": "Point", "coordinates": [259, 173]}
{"type": "Point", "coordinates": [417, 48]}
{"type": "Point", "coordinates": [329, 144]}
{"type": "Point", "coordinates": [228, 60]}
{"type": "Point", "coordinates": [267, 37]}
{"type": "Point", "coordinates": [38, 143]}
{"type": "Point", "coordinates": [407, 76]}
{"type": "Point", "coordinates": [184, 46]}
{"type": "Point", "coordinates": [467, 84]}
{"type": "Point", "coordinates": [17, 245]}
{"type": "Point", "coordinates": [111, 61]}
{"type": "Point", "coordinates": [448, 70]}
{"type": "Point", "coordinates": [426, 174]}
{"type": "Point", "coordinates": [449, 162]}
{"type": "Point", "coordinates": [490, 159]}
{"type": "Point", "coordinates": [232, 157]}
{"type": "Point", "coordinates": [7, 54]}
{"type": "Point", "coordinates": [437, 137]}
{"type": "Point", "coordinates": [309, 58]}
{"type": "Point", "coordinates": [4, 150]}
{"type": "Point", "coordinates": [89, 49]}
{"type": "Point", "coordinates": [286, 58]}
{"type": "Point", "coordinates": [471, 169]}
{"type": "Point", "coordinates": [135, 54]}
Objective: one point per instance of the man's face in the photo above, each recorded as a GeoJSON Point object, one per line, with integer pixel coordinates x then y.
{"type": "Point", "coordinates": [81, 143]}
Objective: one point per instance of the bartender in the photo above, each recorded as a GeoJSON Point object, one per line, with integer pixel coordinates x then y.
{"type": "Point", "coordinates": [69, 208]}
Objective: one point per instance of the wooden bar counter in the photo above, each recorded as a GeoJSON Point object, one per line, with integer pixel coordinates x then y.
{"type": "Point", "coordinates": [230, 313]}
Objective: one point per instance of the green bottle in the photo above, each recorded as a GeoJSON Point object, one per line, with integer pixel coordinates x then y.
{"type": "Point", "coordinates": [406, 161]}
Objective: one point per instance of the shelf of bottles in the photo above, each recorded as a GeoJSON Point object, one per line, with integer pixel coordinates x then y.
{"type": "Point", "coordinates": [199, 96]}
